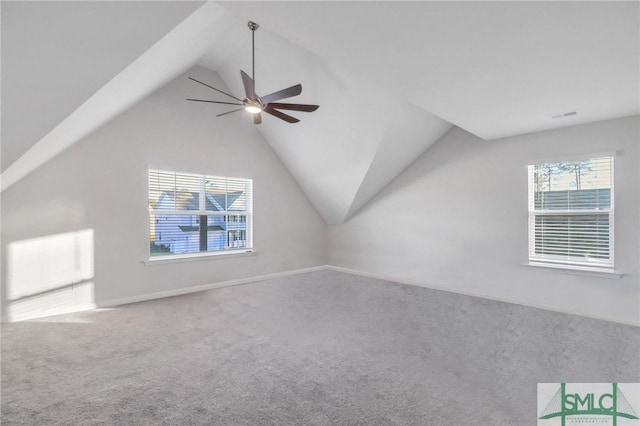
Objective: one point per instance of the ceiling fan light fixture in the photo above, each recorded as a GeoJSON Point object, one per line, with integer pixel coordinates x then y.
{"type": "Point", "coordinates": [252, 109]}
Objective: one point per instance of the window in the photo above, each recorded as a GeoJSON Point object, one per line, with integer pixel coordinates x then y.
{"type": "Point", "coordinates": [191, 213]}
{"type": "Point", "coordinates": [571, 213]}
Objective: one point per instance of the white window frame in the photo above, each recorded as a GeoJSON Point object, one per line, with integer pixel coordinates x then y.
{"type": "Point", "coordinates": [202, 211]}
{"type": "Point", "coordinates": [565, 262]}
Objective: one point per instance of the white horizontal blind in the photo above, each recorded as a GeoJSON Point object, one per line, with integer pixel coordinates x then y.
{"type": "Point", "coordinates": [571, 212]}
{"type": "Point", "coordinates": [193, 213]}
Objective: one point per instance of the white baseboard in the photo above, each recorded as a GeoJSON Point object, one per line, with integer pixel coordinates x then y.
{"type": "Point", "coordinates": [432, 286]}
{"type": "Point", "coordinates": [467, 293]}
{"type": "Point", "coordinates": [195, 289]}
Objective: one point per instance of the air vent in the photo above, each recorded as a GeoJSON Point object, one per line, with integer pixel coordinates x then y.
{"type": "Point", "coordinates": [566, 114]}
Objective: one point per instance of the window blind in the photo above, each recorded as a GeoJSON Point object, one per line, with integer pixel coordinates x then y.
{"type": "Point", "coordinates": [571, 212]}
{"type": "Point", "coordinates": [194, 213]}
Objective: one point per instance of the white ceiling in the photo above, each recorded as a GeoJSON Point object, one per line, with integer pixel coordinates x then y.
{"type": "Point", "coordinates": [390, 77]}
{"type": "Point", "coordinates": [495, 69]}
{"type": "Point", "coordinates": [55, 55]}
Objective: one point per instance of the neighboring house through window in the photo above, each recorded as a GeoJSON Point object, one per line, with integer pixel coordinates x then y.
{"type": "Point", "coordinates": [193, 213]}
{"type": "Point", "coordinates": [571, 220]}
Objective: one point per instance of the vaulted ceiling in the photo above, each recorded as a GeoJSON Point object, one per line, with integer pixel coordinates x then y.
{"type": "Point", "coordinates": [56, 55]}
{"type": "Point", "coordinates": [390, 77]}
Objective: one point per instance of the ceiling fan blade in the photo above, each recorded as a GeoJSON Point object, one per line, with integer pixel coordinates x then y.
{"type": "Point", "coordinates": [294, 107]}
{"type": "Point", "coordinates": [217, 90]}
{"type": "Point", "coordinates": [229, 112]}
{"type": "Point", "coordinates": [214, 102]}
{"type": "Point", "coordinates": [257, 118]}
{"type": "Point", "coordinates": [248, 85]}
{"type": "Point", "coordinates": [281, 94]}
{"type": "Point", "coordinates": [280, 115]}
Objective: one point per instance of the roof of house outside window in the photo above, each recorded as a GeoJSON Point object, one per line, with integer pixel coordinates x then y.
{"type": "Point", "coordinates": [189, 200]}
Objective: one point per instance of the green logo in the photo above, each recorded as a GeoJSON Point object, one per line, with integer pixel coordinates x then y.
{"type": "Point", "coordinates": [588, 401]}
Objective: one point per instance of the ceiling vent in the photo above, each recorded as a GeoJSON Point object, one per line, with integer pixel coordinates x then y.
{"type": "Point", "coordinates": [566, 114]}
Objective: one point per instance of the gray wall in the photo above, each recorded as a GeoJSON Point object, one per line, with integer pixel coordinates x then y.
{"type": "Point", "coordinates": [100, 184]}
{"type": "Point", "coordinates": [456, 219]}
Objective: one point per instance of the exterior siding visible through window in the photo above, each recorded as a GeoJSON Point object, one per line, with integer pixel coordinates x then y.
{"type": "Point", "coordinates": [571, 220]}
{"type": "Point", "coordinates": [192, 213]}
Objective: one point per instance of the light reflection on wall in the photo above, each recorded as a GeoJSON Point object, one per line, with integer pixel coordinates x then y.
{"type": "Point", "coordinates": [50, 275]}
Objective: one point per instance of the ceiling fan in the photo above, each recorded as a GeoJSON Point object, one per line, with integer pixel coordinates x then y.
{"type": "Point", "coordinates": [257, 104]}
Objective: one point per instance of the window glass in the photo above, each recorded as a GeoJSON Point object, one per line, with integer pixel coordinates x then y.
{"type": "Point", "coordinates": [571, 212]}
{"type": "Point", "coordinates": [190, 213]}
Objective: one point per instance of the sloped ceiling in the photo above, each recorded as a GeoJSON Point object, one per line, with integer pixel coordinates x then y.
{"type": "Point", "coordinates": [343, 154]}
{"type": "Point", "coordinates": [390, 77]}
{"type": "Point", "coordinates": [55, 55]}
{"type": "Point", "coordinates": [493, 68]}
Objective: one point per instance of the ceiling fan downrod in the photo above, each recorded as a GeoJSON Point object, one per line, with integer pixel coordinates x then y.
{"type": "Point", "coordinates": [253, 27]}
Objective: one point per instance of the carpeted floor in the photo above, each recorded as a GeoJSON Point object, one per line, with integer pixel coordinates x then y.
{"type": "Point", "coordinates": [313, 349]}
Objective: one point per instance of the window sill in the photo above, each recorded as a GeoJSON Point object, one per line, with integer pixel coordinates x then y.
{"type": "Point", "coordinates": [578, 270]}
{"type": "Point", "coordinates": [179, 258]}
